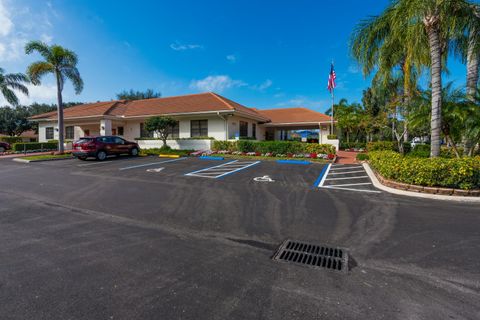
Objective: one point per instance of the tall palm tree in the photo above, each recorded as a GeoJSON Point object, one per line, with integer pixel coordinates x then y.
{"type": "Point", "coordinates": [402, 34]}
{"type": "Point", "coordinates": [11, 82]}
{"type": "Point", "coordinates": [60, 62]}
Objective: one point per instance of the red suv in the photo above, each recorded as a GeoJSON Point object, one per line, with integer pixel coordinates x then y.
{"type": "Point", "coordinates": [101, 147]}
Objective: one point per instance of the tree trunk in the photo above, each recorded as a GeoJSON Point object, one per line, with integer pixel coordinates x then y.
{"type": "Point", "coordinates": [472, 78]}
{"type": "Point", "coordinates": [60, 113]}
{"type": "Point", "coordinates": [436, 83]}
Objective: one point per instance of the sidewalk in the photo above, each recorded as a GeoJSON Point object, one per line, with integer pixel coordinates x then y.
{"type": "Point", "coordinates": [19, 155]}
{"type": "Point", "coordinates": [346, 157]}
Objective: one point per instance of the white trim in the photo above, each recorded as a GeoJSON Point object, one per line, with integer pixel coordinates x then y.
{"type": "Point", "coordinates": [380, 186]}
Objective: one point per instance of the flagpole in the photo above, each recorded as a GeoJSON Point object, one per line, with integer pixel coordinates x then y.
{"type": "Point", "coordinates": [333, 103]}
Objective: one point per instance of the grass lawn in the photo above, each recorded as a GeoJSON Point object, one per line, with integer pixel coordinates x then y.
{"type": "Point", "coordinates": [48, 157]}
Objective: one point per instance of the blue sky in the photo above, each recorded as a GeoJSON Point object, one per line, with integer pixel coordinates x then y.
{"type": "Point", "coordinates": [263, 54]}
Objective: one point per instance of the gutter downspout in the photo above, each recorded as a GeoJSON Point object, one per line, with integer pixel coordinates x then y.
{"type": "Point", "coordinates": [226, 124]}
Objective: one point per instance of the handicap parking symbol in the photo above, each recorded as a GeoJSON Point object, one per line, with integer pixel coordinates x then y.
{"type": "Point", "coordinates": [263, 179]}
{"type": "Point", "coordinates": [155, 170]}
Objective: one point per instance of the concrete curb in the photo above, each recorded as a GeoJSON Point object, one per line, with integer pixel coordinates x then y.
{"type": "Point", "coordinates": [380, 186]}
{"type": "Point", "coordinates": [42, 160]}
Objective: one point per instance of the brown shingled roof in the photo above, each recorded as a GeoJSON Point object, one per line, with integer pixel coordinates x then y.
{"type": "Point", "coordinates": [83, 110]}
{"type": "Point", "coordinates": [202, 102]}
{"type": "Point", "coordinates": [294, 115]}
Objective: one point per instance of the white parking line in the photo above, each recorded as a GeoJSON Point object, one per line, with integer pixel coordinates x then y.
{"type": "Point", "coordinates": [346, 178]}
{"type": "Point", "coordinates": [351, 184]}
{"type": "Point", "coordinates": [351, 189]}
{"type": "Point", "coordinates": [150, 164]}
{"type": "Point", "coordinates": [348, 172]}
{"type": "Point", "coordinates": [346, 168]}
{"type": "Point", "coordinates": [223, 169]}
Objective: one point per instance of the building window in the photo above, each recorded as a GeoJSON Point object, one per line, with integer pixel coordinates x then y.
{"type": "Point", "coordinates": [199, 128]}
{"type": "Point", "coordinates": [49, 133]}
{"type": "Point", "coordinates": [69, 133]}
{"type": "Point", "coordinates": [254, 130]}
{"type": "Point", "coordinates": [120, 131]}
{"type": "Point", "coordinates": [174, 132]}
{"type": "Point", "coordinates": [243, 129]}
{"type": "Point", "coordinates": [144, 133]}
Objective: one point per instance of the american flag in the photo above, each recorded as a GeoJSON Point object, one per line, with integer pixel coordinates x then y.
{"type": "Point", "coordinates": [331, 79]}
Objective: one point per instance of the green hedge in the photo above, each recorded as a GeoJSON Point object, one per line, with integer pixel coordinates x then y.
{"type": "Point", "coordinates": [34, 146]}
{"type": "Point", "coordinates": [382, 146]}
{"type": "Point", "coordinates": [362, 156]}
{"type": "Point", "coordinates": [276, 147]}
{"type": "Point", "coordinates": [157, 151]}
{"type": "Point", "coordinates": [11, 140]}
{"type": "Point", "coordinates": [461, 173]}
{"type": "Point", "coordinates": [352, 145]}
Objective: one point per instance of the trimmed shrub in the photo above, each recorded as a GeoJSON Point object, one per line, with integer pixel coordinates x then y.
{"type": "Point", "coordinates": [332, 137]}
{"type": "Point", "coordinates": [34, 146]}
{"type": "Point", "coordinates": [461, 173]}
{"type": "Point", "coordinates": [362, 156]}
{"type": "Point", "coordinates": [157, 151]}
{"type": "Point", "coordinates": [382, 146]}
{"type": "Point", "coordinates": [420, 151]}
{"type": "Point", "coordinates": [11, 140]}
{"type": "Point", "coordinates": [352, 145]}
{"type": "Point", "coordinates": [274, 147]}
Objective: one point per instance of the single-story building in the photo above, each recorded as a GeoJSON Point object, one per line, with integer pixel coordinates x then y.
{"type": "Point", "coordinates": [198, 116]}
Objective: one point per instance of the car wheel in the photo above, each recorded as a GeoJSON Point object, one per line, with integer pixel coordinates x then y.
{"type": "Point", "coordinates": [134, 152]}
{"type": "Point", "coordinates": [101, 155]}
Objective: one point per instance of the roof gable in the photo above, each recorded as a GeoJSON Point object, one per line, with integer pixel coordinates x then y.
{"type": "Point", "coordinates": [294, 115]}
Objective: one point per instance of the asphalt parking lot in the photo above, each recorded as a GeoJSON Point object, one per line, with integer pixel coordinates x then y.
{"type": "Point", "coordinates": [151, 238]}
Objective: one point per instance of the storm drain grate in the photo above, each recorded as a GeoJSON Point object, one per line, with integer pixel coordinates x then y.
{"type": "Point", "coordinates": [312, 255]}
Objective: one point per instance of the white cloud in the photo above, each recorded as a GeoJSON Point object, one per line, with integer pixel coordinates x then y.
{"type": "Point", "coordinates": [5, 21]}
{"type": "Point", "coordinates": [46, 38]}
{"type": "Point", "coordinates": [46, 93]}
{"type": "Point", "coordinates": [178, 46]}
{"type": "Point", "coordinates": [264, 85]}
{"type": "Point", "coordinates": [353, 69]}
{"type": "Point", "coordinates": [17, 29]}
{"type": "Point", "coordinates": [231, 58]}
{"type": "Point", "coordinates": [216, 83]}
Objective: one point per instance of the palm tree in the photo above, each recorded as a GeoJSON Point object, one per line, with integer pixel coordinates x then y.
{"type": "Point", "coordinates": [10, 82]}
{"type": "Point", "coordinates": [60, 62]}
{"type": "Point", "coordinates": [401, 36]}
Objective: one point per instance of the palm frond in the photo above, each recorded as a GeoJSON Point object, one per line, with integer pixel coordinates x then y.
{"type": "Point", "coordinates": [74, 75]}
{"type": "Point", "coordinates": [9, 95]}
{"type": "Point", "coordinates": [39, 47]}
{"type": "Point", "coordinates": [38, 69]}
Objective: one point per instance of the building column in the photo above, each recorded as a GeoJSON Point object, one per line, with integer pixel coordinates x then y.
{"type": "Point", "coordinates": [105, 127]}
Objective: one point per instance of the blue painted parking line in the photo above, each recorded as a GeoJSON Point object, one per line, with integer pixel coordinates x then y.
{"type": "Point", "coordinates": [150, 164]}
{"type": "Point", "coordinates": [210, 158]}
{"type": "Point", "coordinates": [293, 162]}
{"type": "Point", "coordinates": [223, 169]}
{"type": "Point", "coordinates": [322, 176]}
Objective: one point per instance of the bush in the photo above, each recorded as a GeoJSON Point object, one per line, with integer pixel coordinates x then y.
{"type": "Point", "coordinates": [352, 145]}
{"type": "Point", "coordinates": [420, 151]}
{"type": "Point", "coordinates": [362, 156]}
{"type": "Point", "coordinates": [382, 146]}
{"type": "Point", "coordinates": [11, 140]}
{"type": "Point", "coordinates": [461, 173]}
{"type": "Point", "coordinates": [275, 147]}
{"type": "Point", "coordinates": [332, 137]}
{"type": "Point", "coordinates": [34, 146]}
{"type": "Point", "coordinates": [170, 151]}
